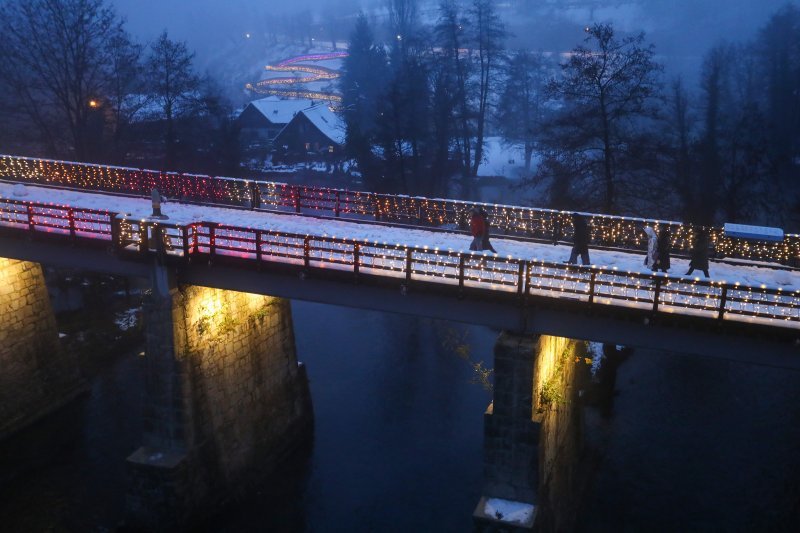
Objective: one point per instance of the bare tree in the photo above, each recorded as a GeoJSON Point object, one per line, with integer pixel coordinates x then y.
{"type": "Point", "coordinates": [55, 61]}
{"type": "Point", "coordinates": [173, 85]}
{"type": "Point", "coordinates": [608, 91]}
{"type": "Point", "coordinates": [489, 36]}
{"type": "Point", "coordinates": [125, 88]}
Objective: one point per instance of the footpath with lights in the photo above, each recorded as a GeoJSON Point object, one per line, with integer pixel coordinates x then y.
{"type": "Point", "coordinates": [397, 241]}
{"type": "Point", "coordinates": [285, 86]}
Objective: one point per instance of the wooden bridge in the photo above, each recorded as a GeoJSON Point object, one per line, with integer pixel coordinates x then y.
{"type": "Point", "coordinates": [235, 225]}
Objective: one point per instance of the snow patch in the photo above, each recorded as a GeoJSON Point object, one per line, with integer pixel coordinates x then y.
{"type": "Point", "coordinates": [595, 351]}
{"type": "Point", "coordinates": [128, 319]}
{"type": "Point", "coordinates": [20, 190]}
{"type": "Point", "coordinates": [508, 511]}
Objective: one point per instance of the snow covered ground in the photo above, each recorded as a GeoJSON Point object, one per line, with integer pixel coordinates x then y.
{"type": "Point", "coordinates": [754, 276]}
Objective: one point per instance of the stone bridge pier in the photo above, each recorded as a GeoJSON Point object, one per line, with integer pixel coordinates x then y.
{"type": "Point", "coordinates": [532, 434]}
{"type": "Point", "coordinates": [225, 400]}
{"type": "Point", "coordinates": [36, 375]}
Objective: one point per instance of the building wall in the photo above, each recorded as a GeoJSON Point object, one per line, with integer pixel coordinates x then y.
{"type": "Point", "coordinates": [36, 375]}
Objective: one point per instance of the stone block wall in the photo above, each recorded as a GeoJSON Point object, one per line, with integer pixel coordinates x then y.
{"type": "Point", "coordinates": [532, 428]}
{"type": "Point", "coordinates": [226, 400]}
{"type": "Point", "coordinates": [36, 375]}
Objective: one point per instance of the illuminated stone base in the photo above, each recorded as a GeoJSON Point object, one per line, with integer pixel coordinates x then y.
{"type": "Point", "coordinates": [226, 400]}
{"type": "Point", "coordinates": [36, 375]}
{"type": "Point", "coordinates": [533, 376]}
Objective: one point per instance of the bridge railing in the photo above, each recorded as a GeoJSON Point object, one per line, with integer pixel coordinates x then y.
{"type": "Point", "coordinates": [407, 266]}
{"type": "Point", "coordinates": [590, 285]}
{"type": "Point", "coordinates": [527, 222]}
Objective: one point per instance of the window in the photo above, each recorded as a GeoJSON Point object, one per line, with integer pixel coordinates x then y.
{"type": "Point", "coordinates": [308, 147]}
{"type": "Point", "coordinates": [330, 149]}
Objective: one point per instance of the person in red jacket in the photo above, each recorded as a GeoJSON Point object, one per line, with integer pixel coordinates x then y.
{"type": "Point", "coordinates": [477, 227]}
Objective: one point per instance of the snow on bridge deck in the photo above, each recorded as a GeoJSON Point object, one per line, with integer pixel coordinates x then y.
{"type": "Point", "coordinates": [183, 214]}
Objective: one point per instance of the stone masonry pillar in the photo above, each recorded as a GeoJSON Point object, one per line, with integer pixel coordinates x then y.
{"type": "Point", "coordinates": [36, 375]}
{"type": "Point", "coordinates": [225, 401]}
{"type": "Point", "coordinates": [512, 430]}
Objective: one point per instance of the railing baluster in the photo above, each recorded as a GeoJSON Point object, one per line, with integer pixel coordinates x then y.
{"type": "Point", "coordinates": [259, 242]}
{"type": "Point", "coordinates": [212, 243]}
{"type": "Point", "coordinates": [356, 259]}
{"type": "Point", "coordinates": [521, 279]}
{"type": "Point", "coordinates": [116, 232]}
{"type": "Point", "coordinates": [461, 260]}
{"type": "Point", "coordinates": [307, 251]}
{"type": "Point", "coordinates": [185, 242]}
{"type": "Point", "coordinates": [722, 301]}
{"type": "Point", "coordinates": [31, 225]}
{"type": "Point", "coordinates": [408, 266]}
{"type": "Point", "coordinates": [296, 195]}
{"type": "Point", "coordinates": [591, 287]}
{"type": "Point", "coordinates": [656, 295]}
{"type": "Point", "coordinates": [336, 207]}
{"type": "Point", "coordinates": [255, 195]}
{"type": "Point", "coordinates": [71, 222]}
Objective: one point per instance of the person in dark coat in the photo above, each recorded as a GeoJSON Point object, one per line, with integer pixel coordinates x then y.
{"type": "Point", "coordinates": [486, 245]}
{"type": "Point", "coordinates": [699, 257]}
{"type": "Point", "coordinates": [580, 239]}
{"type": "Point", "coordinates": [477, 229]}
{"type": "Point", "coordinates": [663, 249]}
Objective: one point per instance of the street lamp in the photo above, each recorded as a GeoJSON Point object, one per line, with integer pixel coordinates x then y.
{"type": "Point", "coordinates": [94, 103]}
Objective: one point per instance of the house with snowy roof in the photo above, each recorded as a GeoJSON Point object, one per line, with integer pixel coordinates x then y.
{"type": "Point", "coordinates": [263, 119]}
{"type": "Point", "coordinates": [315, 133]}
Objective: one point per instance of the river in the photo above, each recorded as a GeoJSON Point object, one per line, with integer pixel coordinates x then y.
{"type": "Point", "coordinates": [691, 443]}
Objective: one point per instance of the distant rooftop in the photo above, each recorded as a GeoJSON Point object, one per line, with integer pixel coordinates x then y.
{"type": "Point", "coordinates": [326, 121]}
{"type": "Point", "coordinates": [280, 111]}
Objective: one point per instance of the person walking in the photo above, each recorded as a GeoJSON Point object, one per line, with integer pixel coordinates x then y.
{"type": "Point", "coordinates": [580, 239]}
{"type": "Point", "coordinates": [477, 228]}
{"type": "Point", "coordinates": [650, 258]}
{"type": "Point", "coordinates": [485, 244]}
{"type": "Point", "coordinates": [663, 249]}
{"type": "Point", "coordinates": [699, 256]}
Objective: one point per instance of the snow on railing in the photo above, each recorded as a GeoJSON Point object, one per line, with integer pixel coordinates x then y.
{"type": "Point", "coordinates": [586, 285]}
{"type": "Point", "coordinates": [524, 222]}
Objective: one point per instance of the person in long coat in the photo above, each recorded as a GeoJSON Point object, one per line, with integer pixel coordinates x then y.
{"type": "Point", "coordinates": [650, 258]}
{"type": "Point", "coordinates": [485, 244]}
{"type": "Point", "coordinates": [663, 249]}
{"type": "Point", "coordinates": [580, 239]}
{"type": "Point", "coordinates": [699, 256]}
{"type": "Point", "coordinates": [477, 228]}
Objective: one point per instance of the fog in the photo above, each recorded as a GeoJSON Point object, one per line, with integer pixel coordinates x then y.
{"type": "Point", "coordinates": [682, 30]}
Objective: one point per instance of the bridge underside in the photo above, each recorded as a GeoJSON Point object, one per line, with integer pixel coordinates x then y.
{"type": "Point", "coordinates": [632, 327]}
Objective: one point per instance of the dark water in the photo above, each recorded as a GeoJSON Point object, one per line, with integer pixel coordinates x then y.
{"type": "Point", "coordinates": [692, 444]}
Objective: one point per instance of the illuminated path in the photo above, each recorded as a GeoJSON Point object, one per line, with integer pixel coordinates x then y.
{"type": "Point", "coordinates": [271, 86]}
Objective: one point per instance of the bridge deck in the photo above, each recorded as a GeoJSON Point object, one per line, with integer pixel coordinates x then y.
{"type": "Point", "coordinates": [627, 286]}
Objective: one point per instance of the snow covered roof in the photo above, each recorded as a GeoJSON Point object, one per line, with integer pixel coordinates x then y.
{"type": "Point", "coordinates": [280, 111]}
{"type": "Point", "coordinates": [326, 121]}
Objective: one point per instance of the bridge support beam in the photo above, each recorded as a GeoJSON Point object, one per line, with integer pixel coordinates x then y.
{"type": "Point", "coordinates": [225, 401]}
{"type": "Point", "coordinates": [531, 429]}
{"type": "Point", "coordinates": [36, 375]}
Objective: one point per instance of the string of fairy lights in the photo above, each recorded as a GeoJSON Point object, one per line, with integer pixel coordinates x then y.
{"type": "Point", "coordinates": [605, 230]}
{"type": "Point", "coordinates": [605, 285]}
{"type": "Point", "coordinates": [281, 86]}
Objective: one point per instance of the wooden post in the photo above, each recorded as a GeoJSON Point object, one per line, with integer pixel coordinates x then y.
{"type": "Point", "coordinates": [722, 301]}
{"type": "Point", "coordinates": [656, 295]}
